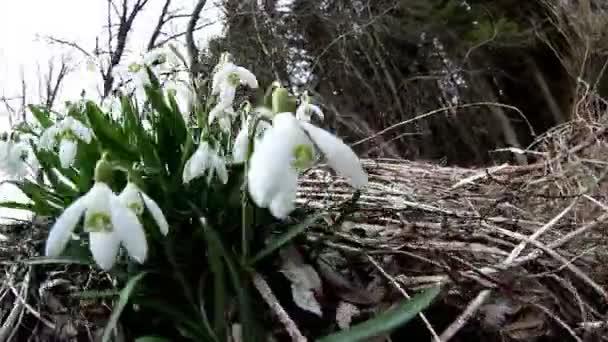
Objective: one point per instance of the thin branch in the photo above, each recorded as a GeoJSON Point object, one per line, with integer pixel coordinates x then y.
{"type": "Point", "coordinates": [159, 25]}
{"type": "Point", "coordinates": [192, 49]}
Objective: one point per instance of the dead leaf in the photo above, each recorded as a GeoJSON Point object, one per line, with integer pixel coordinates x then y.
{"type": "Point", "coordinates": [345, 313]}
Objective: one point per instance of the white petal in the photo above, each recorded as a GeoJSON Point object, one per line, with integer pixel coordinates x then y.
{"type": "Point", "coordinates": [64, 226]}
{"type": "Point", "coordinates": [83, 132]}
{"type": "Point", "coordinates": [104, 247]}
{"type": "Point", "coordinates": [221, 77]}
{"type": "Point", "coordinates": [129, 230]}
{"type": "Point", "coordinates": [284, 202]}
{"type": "Point", "coordinates": [247, 77]}
{"type": "Point", "coordinates": [67, 152]}
{"type": "Point", "coordinates": [187, 175]}
{"type": "Point", "coordinates": [47, 139]}
{"type": "Point", "coordinates": [131, 198]}
{"type": "Point", "coordinates": [227, 95]}
{"type": "Point", "coordinates": [225, 124]}
{"type": "Point", "coordinates": [214, 113]}
{"type": "Point", "coordinates": [220, 168]}
{"type": "Point", "coordinates": [241, 146]}
{"type": "Point", "coordinates": [270, 170]}
{"type": "Point", "coordinates": [339, 156]}
{"type": "Point", "coordinates": [305, 111]}
{"type": "Point", "coordinates": [156, 213]}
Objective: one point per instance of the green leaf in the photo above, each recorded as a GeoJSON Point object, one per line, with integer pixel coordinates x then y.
{"type": "Point", "coordinates": [171, 312]}
{"type": "Point", "coordinates": [42, 115]}
{"type": "Point", "coordinates": [243, 297]}
{"type": "Point", "coordinates": [109, 133]}
{"type": "Point", "coordinates": [120, 306]}
{"type": "Point", "coordinates": [152, 339]}
{"type": "Point", "coordinates": [387, 321]}
{"type": "Point", "coordinates": [17, 205]}
{"type": "Point", "coordinates": [95, 294]}
{"type": "Point", "coordinates": [61, 260]}
{"type": "Point", "coordinates": [278, 241]}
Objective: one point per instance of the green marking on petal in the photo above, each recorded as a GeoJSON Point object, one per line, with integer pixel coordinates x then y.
{"type": "Point", "coordinates": [234, 79]}
{"type": "Point", "coordinates": [137, 208]}
{"type": "Point", "coordinates": [303, 157]}
{"type": "Point", "coordinates": [134, 67]}
{"type": "Point", "coordinates": [98, 222]}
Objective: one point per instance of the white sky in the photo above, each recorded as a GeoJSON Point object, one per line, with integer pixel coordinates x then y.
{"type": "Point", "coordinates": [25, 23]}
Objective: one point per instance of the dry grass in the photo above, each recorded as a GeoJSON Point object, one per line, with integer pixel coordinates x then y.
{"type": "Point", "coordinates": [521, 249]}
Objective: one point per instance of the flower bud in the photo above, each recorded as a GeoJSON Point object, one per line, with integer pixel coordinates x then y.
{"type": "Point", "coordinates": [281, 101]}
{"type": "Point", "coordinates": [103, 170]}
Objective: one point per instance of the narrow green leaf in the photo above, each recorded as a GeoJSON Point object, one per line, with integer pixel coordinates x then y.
{"type": "Point", "coordinates": [172, 313]}
{"type": "Point", "coordinates": [240, 286]}
{"type": "Point", "coordinates": [42, 115]}
{"type": "Point", "coordinates": [109, 133]}
{"type": "Point", "coordinates": [120, 306]}
{"type": "Point", "coordinates": [95, 294]}
{"type": "Point", "coordinates": [387, 321]}
{"type": "Point", "coordinates": [152, 339]}
{"type": "Point", "coordinates": [17, 205]}
{"type": "Point", "coordinates": [278, 241]}
{"type": "Point", "coordinates": [61, 260]}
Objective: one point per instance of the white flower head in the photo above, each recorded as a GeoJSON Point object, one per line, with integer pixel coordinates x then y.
{"type": "Point", "coordinates": [306, 110]}
{"type": "Point", "coordinates": [284, 151]}
{"type": "Point", "coordinates": [227, 79]}
{"type": "Point", "coordinates": [241, 142]}
{"type": "Point", "coordinates": [136, 200]}
{"type": "Point", "coordinates": [224, 115]}
{"type": "Point", "coordinates": [67, 133]}
{"type": "Point", "coordinates": [109, 224]}
{"type": "Point", "coordinates": [17, 159]}
{"type": "Point", "coordinates": [205, 159]}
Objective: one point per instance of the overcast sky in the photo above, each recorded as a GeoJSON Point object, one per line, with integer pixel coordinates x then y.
{"type": "Point", "coordinates": [24, 24]}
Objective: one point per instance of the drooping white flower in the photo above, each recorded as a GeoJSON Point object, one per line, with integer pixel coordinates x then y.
{"type": "Point", "coordinates": [17, 159]}
{"type": "Point", "coordinates": [135, 199]}
{"type": "Point", "coordinates": [287, 148]}
{"type": "Point", "coordinates": [205, 159]}
{"type": "Point", "coordinates": [109, 224]}
{"type": "Point", "coordinates": [241, 142]}
{"type": "Point", "coordinates": [224, 116]}
{"type": "Point", "coordinates": [306, 110]}
{"type": "Point", "coordinates": [67, 133]}
{"type": "Point", "coordinates": [227, 79]}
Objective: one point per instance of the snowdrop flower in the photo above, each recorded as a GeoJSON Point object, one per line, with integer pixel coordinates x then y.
{"type": "Point", "coordinates": [16, 157]}
{"type": "Point", "coordinates": [205, 160]}
{"type": "Point", "coordinates": [224, 115]}
{"type": "Point", "coordinates": [284, 151]}
{"type": "Point", "coordinates": [241, 142]}
{"type": "Point", "coordinates": [67, 133]}
{"type": "Point", "coordinates": [306, 110]}
{"type": "Point", "coordinates": [109, 223]}
{"type": "Point", "coordinates": [135, 199]}
{"type": "Point", "coordinates": [227, 79]}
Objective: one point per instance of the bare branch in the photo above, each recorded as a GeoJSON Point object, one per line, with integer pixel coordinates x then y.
{"type": "Point", "coordinates": [192, 49]}
{"type": "Point", "coordinates": [53, 40]}
{"type": "Point", "coordinates": [159, 25]}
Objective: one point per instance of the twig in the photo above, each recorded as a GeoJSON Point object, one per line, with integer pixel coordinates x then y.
{"type": "Point", "coordinates": [483, 295]}
{"type": "Point", "coordinates": [266, 292]}
{"type": "Point", "coordinates": [406, 295]}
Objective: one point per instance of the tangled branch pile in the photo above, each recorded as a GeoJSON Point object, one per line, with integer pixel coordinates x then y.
{"type": "Point", "coordinates": [521, 249]}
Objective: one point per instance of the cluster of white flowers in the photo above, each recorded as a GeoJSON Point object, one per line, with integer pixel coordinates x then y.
{"type": "Point", "coordinates": [285, 143]}
{"type": "Point", "coordinates": [67, 133]}
{"type": "Point", "coordinates": [17, 159]}
{"type": "Point", "coordinates": [225, 82]}
{"type": "Point", "coordinates": [205, 160]}
{"type": "Point", "coordinates": [111, 220]}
